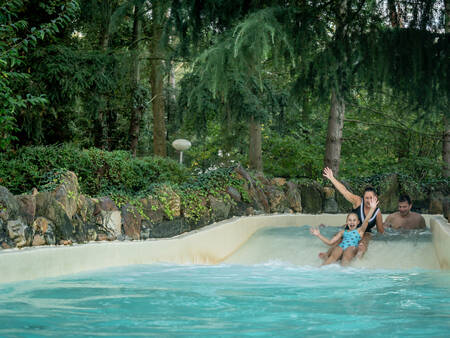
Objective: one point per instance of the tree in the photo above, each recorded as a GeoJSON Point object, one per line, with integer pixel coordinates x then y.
{"type": "Point", "coordinates": [18, 40]}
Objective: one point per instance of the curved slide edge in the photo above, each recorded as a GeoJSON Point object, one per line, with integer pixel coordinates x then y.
{"type": "Point", "coordinates": [209, 245]}
{"type": "Point", "coordinates": [441, 240]}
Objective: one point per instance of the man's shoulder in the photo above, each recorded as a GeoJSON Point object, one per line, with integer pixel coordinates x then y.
{"type": "Point", "coordinates": [394, 215]}
{"type": "Point", "coordinates": [416, 215]}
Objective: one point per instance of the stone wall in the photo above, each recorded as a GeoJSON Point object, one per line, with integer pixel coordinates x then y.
{"type": "Point", "coordinates": [64, 215]}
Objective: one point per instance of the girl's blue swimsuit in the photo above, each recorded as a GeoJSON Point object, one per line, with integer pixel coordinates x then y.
{"type": "Point", "coordinates": [350, 238]}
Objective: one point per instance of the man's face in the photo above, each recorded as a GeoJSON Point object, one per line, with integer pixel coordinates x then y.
{"type": "Point", "coordinates": [404, 208]}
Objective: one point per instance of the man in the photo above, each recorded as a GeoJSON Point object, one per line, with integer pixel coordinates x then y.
{"type": "Point", "coordinates": [404, 218]}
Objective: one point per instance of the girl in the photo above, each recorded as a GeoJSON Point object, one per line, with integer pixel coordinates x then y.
{"type": "Point", "coordinates": [350, 238]}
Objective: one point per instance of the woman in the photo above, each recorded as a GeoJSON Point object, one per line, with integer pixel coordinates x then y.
{"type": "Point", "coordinates": [361, 207]}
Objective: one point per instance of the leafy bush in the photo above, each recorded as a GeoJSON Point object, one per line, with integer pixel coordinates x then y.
{"type": "Point", "coordinates": [291, 157]}
{"type": "Point", "coordinates": [98, 171]}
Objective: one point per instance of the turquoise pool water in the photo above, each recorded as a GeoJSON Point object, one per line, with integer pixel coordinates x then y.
{"type": "Point", "coordinates": [273, 298]}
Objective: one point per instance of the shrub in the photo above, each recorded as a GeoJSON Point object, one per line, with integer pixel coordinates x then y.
{"type": "Point", "coordinates": [98, 171]}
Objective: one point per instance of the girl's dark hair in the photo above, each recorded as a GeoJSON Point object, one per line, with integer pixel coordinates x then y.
{"type": "Point", "coordinates": [370, 189]}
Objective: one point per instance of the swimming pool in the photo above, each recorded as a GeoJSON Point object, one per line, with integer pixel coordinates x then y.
{"type": "Point", "coordinates": [271, 286]}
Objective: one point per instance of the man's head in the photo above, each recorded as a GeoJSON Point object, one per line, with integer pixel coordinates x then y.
{"type": "Point", "coordinates": [404, 205]}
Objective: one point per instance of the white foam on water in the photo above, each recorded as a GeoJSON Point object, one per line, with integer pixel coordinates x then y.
{"type": "Point", "coordinates": [294, 246]}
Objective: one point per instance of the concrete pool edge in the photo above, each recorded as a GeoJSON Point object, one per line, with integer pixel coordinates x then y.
{"type": "Point", "coordinates": [209, 245]}
{"type": "Point", "coordinates": [441, 240]}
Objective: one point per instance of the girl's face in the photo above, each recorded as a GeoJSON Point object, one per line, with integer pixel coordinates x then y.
{"type": "Point", "coordinates": [352, 221]}
{"type": "Point", "coordinates": [368, 196]}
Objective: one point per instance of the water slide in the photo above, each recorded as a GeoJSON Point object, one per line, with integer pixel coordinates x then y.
{"type": "Point", "coordinates": [244, 240]}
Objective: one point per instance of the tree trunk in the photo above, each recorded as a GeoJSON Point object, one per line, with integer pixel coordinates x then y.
{"type": "Point", "coordinates": [446, 147]}
{"type": "Point", "coordinates": [137, 108]}
{"type": "Point", "coordinates": [334, 134]}
{"type": "Point", "coordinates": [395, 14]}
{"type": "Point", "coordinates": [157, 85]}
{"type": "Point", "coordinates": [446, 119]}
{"type": "Point", "coordinates": [255, 151]}
{"type": "Point", "coordinates": [101, 126]}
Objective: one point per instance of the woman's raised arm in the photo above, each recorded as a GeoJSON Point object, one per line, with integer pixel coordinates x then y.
{"type": "Point", "coordinates": [352, 198]}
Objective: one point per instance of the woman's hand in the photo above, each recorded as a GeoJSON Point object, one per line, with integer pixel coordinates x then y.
{"type": "Point", "coordinates": [328, 173]}
{"type": "Point", "coordinates": [373, 203]}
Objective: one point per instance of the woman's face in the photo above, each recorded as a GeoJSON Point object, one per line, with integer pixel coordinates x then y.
{"type": "Point", "coordinates": [368, 196]}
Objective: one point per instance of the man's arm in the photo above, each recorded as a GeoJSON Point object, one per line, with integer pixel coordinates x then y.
{"type": "Point", "coordinates": [388, 222]}
{"type": "Point", "coordinates": [422, 224]}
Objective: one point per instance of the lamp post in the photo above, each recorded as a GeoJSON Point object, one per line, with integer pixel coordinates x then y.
{"type": "Point", "coordinates": [181, 145]}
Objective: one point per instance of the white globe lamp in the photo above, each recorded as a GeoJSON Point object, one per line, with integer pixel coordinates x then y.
{"type": "Point", "coordinates": [181, 145]}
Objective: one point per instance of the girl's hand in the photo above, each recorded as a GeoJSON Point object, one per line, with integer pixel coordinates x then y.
{"type": "Point", "coordinates": [328, 173]}
{"type": "Point", "coordinates": [373, 203]}
{"type": "Point", "coordinates": [314, 231]}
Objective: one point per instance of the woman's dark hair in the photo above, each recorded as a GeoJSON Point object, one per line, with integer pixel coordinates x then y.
{"type": "Point", "coordinates": [370, 189]}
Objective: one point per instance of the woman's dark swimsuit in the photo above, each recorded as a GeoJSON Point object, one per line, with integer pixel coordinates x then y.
{"type": "Point", "coordinates": [361, 216]}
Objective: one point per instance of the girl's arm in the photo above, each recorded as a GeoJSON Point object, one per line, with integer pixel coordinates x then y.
{"type": "Point", "coordinates": [352, 198]}
{"type": "Point", "coordinates": [373, 206]}
{"type": "Point", "coordinates": [334, 240]}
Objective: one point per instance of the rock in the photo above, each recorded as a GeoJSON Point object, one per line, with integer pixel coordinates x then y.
{"type": "Point", "coordinates": [91, 234]}
{"type": "Point", "coordinates": [5, 245]}
{"type": "Point", "coordinates": [112, 222]}
{"type": "Point", "coordinates": [107, 204]}
{"type": "Point", "coordinates": [27, 208]}
{"type": "Point", "coordinates": [38, 240]}
{"type": "Point", "coordinates": [9, 207]}
{"type": "Point", "coordinates": [65, 242]}
{"type": "Point", "coordinates": [167, 229]}
{"type": "Point", "coordinates": [234, 194]}
{"type": "Point", "coordinates": [243, 174]}
{"type": "Point", "coordinates": [87, 208]}
{"type": "Point", "coordinates": [329, 193]}
{"type": "Point", "coordinates": [276, 198]}
{"type": "Point", "coordinates": [49, 235]}
{"type": "Point", "coordinates": [446, 208]}
{"type": "Point", "coordinates": [67, 193]}
{"type": "Point", "coordinates": [19, 232]}
{"type": "Point", "coordinates": [43, 227]}
{"type": "Point", "coordinates": [330, 206]}
{"type": "Point", "coordinates": [278, 181]}
{"type": "Point", "coordinates": [250, 211]}
{"type": "Point", "coordinates": [293, 197]}
{"type": "Point", "coordinates": [131, 220]}
{"type": "Point", "coordinates": [40, 225]}
{"type": "Point", "coordinates": [219, 208]}
{"type": "Point", "coordinates": [436, 205]}
{"type": "Point", "coordinates": [170, 200]}
{"type": "Point", "coordinates": [47, 206]}
{"type": "Point", "coordinates": [389, 193]}
{"type": "Point", "coordinates": [102, 237]}
{"type": "Point", "coordinates": [262, 180]}
{"type": "Point", "coordinates": [312, 197]}
{"type": "Point", "coordinates": [152, 209]}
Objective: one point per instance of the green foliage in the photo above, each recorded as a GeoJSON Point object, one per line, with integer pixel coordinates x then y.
{"type": "Point", "coordinates": [291, 157]}
{"type": "Point", "coordinates": [99, 172]}
{"type": "Point", "coordinates": [17, 39]}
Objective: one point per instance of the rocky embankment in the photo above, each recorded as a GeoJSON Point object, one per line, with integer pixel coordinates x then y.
{"type": "Point", "coordinates": [64, 215]}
